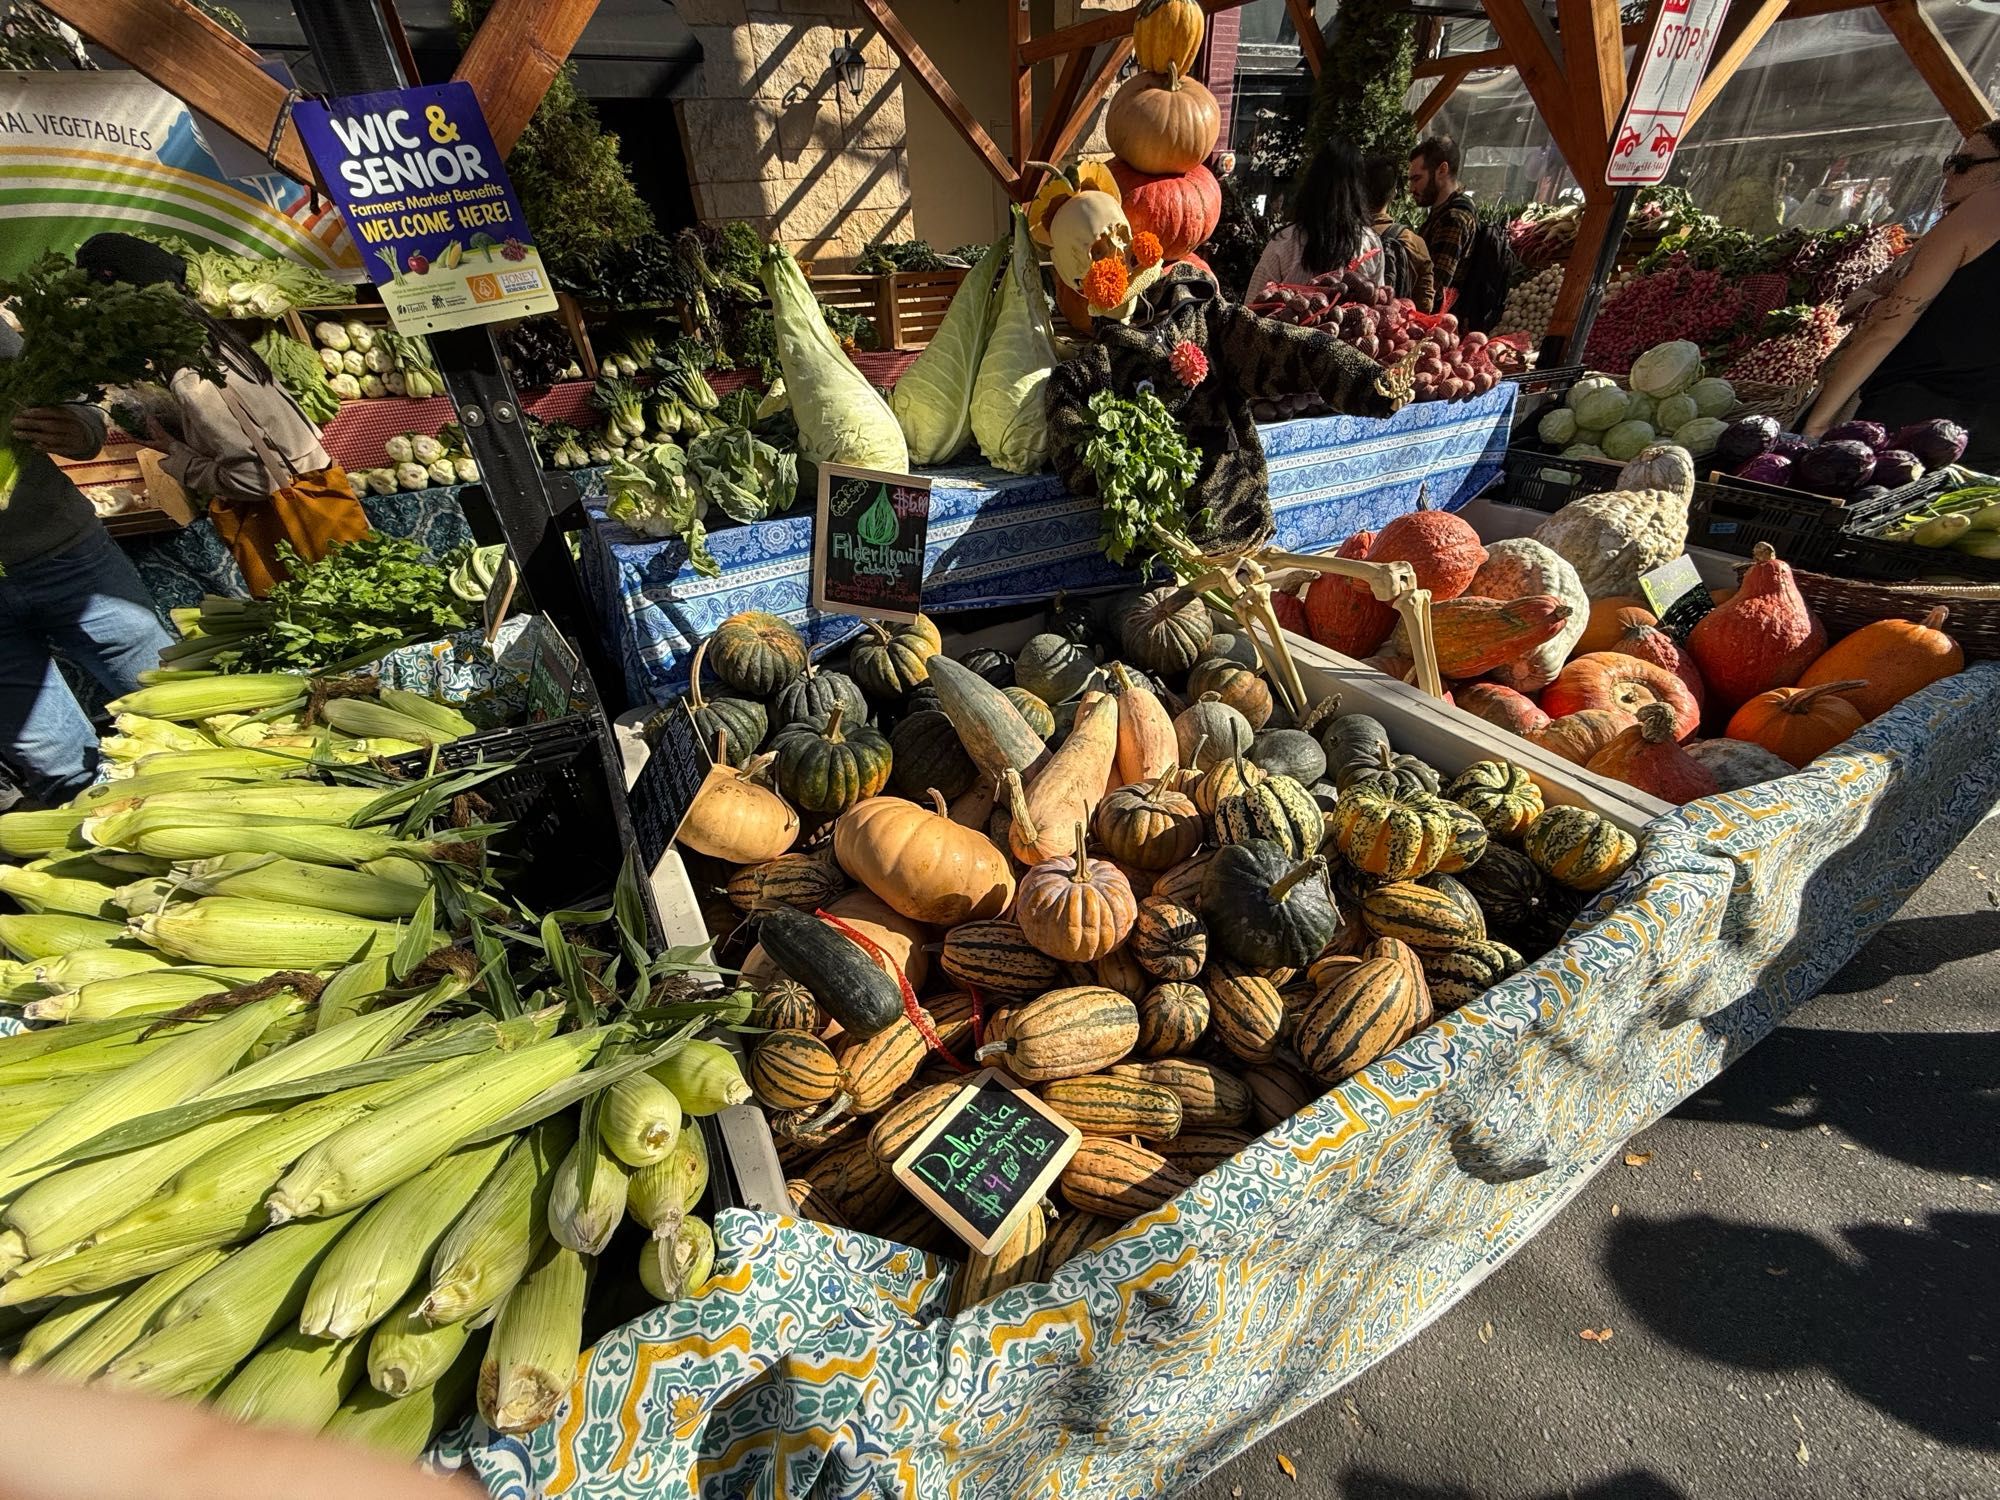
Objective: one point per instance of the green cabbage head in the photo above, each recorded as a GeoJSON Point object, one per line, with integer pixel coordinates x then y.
{"type": "Point", "coordinates": [933, 400]}
{"type": "Point", "coordinates": [1009, 399]}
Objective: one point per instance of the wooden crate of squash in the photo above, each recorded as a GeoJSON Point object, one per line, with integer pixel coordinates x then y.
{"type": "Point", "coordinates": [1110, 860]}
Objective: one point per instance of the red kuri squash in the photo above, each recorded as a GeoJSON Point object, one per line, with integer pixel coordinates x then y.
{"type": "Point", "coordinates": [1605, 679]}
{"type": "Point", "coordinates": [1640, 637]}
{"type": "Point", "coordinates": [1610, 618]}
{"type": "Point", "coordinates": [1649, 757]}
{"type": "Point", "coordinates": [1502, 707]}
{"type": "Point", "coordinates": [1763, 638]}
{"type": "Point", "coordinates": [1896, 657]}
{"type": "Point", "coordinates": [1442, 547]}
{"type": "Point", "coordinates": [1341, 612]}
{"type": "Point", "coordinates": [1579, 736]}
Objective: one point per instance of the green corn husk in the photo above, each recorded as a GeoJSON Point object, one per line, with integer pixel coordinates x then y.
{"type": "Point", "coordinates": [440, 717]}
{"type": "Point", "coordinates": [215, 1324]}
{"type": "Point", "coordinates": [198, 697]}
{"type": "Point", "coordinates": [151, 994]}
{"type": "Point", "coordinates": [298, 801]}
{"type": "Point", "coordinates": [369, 718]}
{"type": "Point", "coordinates": [161, 734]}
{"type": "Point", "coordinates": [270, 877]}
{"type": "Point", "coordinates": [680, 1265]}
{"type": "Point", "coordinates": [23, 1106]}
{"type": "Point", "coordinates": [705, 1077]}
{"type": "Point", "coordinates": [216, 1200]}
{"type": "Point", "coordinates": [30, 835]}
{"type": "Point", "coordinates": [67, 1206]}
{"type": "Point", "coordinates": [372, 1269]}
{"type": "Point", "coordinates": [186, 836]}
{"type": "Point", "coordinates": [236, 931]}
{"type": "Point", "coordinates": [403, 1426]}
{"type": "Point", "coordinates": [490, 1246]}
{"type": "Point", "coordinates": [140, 897]}
{"type": "Point", "coordinates": [585, 1223]}
{"type": "Point", "coordinates": [387, 1149]}
{"type": "Point", "coordinates": [408, 1352]}
{"type": "Point", "coordinates": [81, 966]}
{"type": "Point", "coordinates": [79, 1049]}
{"type": "Point", "coordinates": [639, 1118]}
{"type": "Point", "coordinates": [294, 1382]}
{"type": "Point", "coordinates": [128, 781]}
{"type": "Point", "coordinates": [178, 1071]}
{"type": "Point", "coordinates": [108, 1336]}
{"type": "Point", "coordinates": [42, 893]}
{"type": "Point", "coordinates": [52, 934]}
{"type": "Point", "coordinates": [94, 865]}
{"type": "Point", "coordinates": [70, 1318]}
{"type": "Point", "coordinates": [350, 989]}
{"type": "Point", "coordinates": [660, 1195]}
{"type": "Point", "coordinates": [531, 1358]}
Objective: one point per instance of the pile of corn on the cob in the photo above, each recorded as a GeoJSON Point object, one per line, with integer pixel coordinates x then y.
{"type": "Point", "coordinates": [362, 1198]}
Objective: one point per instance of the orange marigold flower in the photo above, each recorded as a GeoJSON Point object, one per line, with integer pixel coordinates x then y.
{"type": "Point", "coordinates": [1104, 283]}
{"type": "Point", "coordinates": [1146, 249]}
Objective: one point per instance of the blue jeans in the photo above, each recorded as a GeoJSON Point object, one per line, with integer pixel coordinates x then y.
{"type": "Point", "coordinates": [87, 602]}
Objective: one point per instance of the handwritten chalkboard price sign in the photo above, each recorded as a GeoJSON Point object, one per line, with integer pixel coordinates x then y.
{"type": "Point", "coordinates": [988, 1161]}
{"type": "Point", "coordinates": [667, 784]}
{"type": "Point", "coordinates": [868, 542]}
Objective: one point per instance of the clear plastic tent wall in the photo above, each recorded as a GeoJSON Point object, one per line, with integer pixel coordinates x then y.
{"type": "Point", "coordinates": [1826, 123]}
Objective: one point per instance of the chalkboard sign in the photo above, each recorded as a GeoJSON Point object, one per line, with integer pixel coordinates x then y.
{"type": "Point", "coordinates": [1677, 596]}
{"type": "Point", "coordinates": [868, 542]}
{"type": "Point", "coordinates": [988, 1160]}
{"type": "Point", "coordinates": [667, 784]}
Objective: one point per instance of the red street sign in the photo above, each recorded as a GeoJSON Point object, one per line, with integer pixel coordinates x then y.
{"type": "Point", "coordinates": [1676, 58]}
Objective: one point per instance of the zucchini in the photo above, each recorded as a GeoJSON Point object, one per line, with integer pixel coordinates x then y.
{"type": "Point", "coordinates": [849, 985]}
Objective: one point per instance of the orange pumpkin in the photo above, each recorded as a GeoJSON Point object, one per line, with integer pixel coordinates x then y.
{"type": "Point", "coordinates": [1162, 123]}
{"type": "Point", "coordinates": [1182, 209]}
{"type": "Point", "coordinates": [1579, 736]}
{"type": "Point", "coordinates": [1763, 638]}
{"type": "Point", "coordinates": [1076, 909]}
{"type": "Point", "coordinates": [1442, 547]}
{"type": "Point", "coordinates": [1798, 724]}
{"type": "Point", "coordinates": [1897, 657]}
{"type": "Point", "coordinates": [1609, 620]}
{"type": "Point", "coordinates": [1604, 679]}
{"type": "Point", "coordinates": [1640, 637]}
{"type": "Point", "coordinates": [1647, 756]}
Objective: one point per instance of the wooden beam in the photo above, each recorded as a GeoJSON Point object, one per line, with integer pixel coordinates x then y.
{"type": "Point", "coordinates": [1748, 24]}
{"type": "Point", "coordinates": [1069, 86]}
{"type": "Point", "coordinates": [1443, 89]}
{"type": "Point", "coordinates": [1021, 115]}
{"type": "Point", "coordinates": [1311, 41]}
{"type": "Point", "coordinates": [1594, 60]}
{"type": "Point", "coordinates": [1964, 101]}
{"type": "Point", "coordinates": [191, 57]}
{"type": "Point", "coordinates": [1106, 28]}
{"type": "Point", "coordinates": [1583, 251]}
{"type": "Point", "coordinates": [933, 82]}
{"type": "Point", "coordinates": [1496, 57]}
{"type": "Point", "coordinates": [1531, 45]}
{"type": "Point", "coordinates": [1070, 127]}
{"type": "Point", "coordinates": [514, 56]}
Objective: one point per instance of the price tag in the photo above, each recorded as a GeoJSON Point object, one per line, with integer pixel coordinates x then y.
{"type": "Point", "coordinates": [667, 784]}
{"type": "Point", "coordinates": [552, 677]}
{"type": "Point", "coordinates": [987, 1162]}
{"type": "Point", "coordinates": [868, 542]}
{"type": "Point", "coordinates": [1677, 596]}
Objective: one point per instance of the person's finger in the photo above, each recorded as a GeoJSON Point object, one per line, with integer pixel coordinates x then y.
{"type": "Point", "coordinates": [86, 1443]}
{"type": "Point", "coordinates": [46, 428]}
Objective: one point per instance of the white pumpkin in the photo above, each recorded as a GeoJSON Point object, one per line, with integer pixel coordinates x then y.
{"type": "Point", "coordinates": [1090, 225]}
{"type": "Point", "coordinates": [1519, 568]}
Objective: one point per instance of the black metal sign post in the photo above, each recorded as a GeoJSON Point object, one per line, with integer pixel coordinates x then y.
{"type": "Point", "coordinates": [355, 49]}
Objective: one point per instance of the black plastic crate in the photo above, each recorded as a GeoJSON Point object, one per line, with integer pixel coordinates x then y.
{"type": "Point", "coordinates": [563, 800]}
{"type": "Point", "coordinates": [1879, 561]}
{"type": "Point", "coordinates": [1544, 482]}
{"type": "Point", "coordinates": [1733, 515]}
{"type": "Point", "coordinates": [1554, 381]}
{"type": "Point", "coordinates": [1873, 517]}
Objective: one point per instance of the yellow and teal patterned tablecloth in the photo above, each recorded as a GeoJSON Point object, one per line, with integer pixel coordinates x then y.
{"type": "Point", "coordinates": [822, 1363]}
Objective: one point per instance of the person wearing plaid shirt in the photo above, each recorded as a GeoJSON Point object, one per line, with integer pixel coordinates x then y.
{"type": "Point", "coordinates": [1451, 219]}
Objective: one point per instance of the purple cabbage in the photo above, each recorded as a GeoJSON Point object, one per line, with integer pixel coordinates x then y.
{"type": "Point", "coordinates": [1745, 438]}
{"type": "Point", "coordinates": [1767, 468]}
{"type": "Point", "coordinates": [1791, 445]}
{"type": "Point", "coordinates": [1839, 466]}
{"type": "Point", "coordinates": [1895, 467]}
{"type": "Point", "coordinates": [1936, 443]}
{"type": "Point", "coordinates": [1871, 435]}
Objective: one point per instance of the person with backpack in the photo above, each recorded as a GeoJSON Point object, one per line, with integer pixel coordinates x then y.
{"type": "Point", "coordinates": [1406, 259]}
{"type": "Point", "coordinates": [1469, 255]}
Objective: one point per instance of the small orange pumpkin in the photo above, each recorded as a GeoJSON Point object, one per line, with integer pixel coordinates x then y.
{"type": "Point", "coordinates": [1076, 909]}
{"type": "Point", "coordinates": [1898, 656]}
{"type": "Point", "coordinates": [1577, 737]}
{"type": "Point", "coordinates": [1605, 679]}
{"type": "Point", "coordinates": [1648, 757]}
{"type": "Point", "coordinates": [1798, 724]}
{"type": "Point", "coordinates": [1609, 620]}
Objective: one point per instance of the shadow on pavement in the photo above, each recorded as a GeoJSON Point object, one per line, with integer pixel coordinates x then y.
{"type": "Point", "coordinates": [1901, 1315]}
{"type": "Point", "coordinates": [1633, 1484]}
{"type": "Point", "coordinates": [1867, 1085]}
{"type": "Point", "coordinates": [1917, 945]}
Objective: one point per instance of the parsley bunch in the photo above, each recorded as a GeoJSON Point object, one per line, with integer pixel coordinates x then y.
{"type": "Point", "coordinates": [1144, 469]}
{"type": "Point", "coordinates": [360, 601]}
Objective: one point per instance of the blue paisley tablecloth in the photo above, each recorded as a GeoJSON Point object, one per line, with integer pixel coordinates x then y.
{"type": "Point", "coordinates": [180, 567]}
{"type": "Point", "coordinates": [999, 539]}
{"type": "Point", "coordinates": [823, 1362]}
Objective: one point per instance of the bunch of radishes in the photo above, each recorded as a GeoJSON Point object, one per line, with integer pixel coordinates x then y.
{"type": "Point", "coordinates": [1676, 302]}
{"type": "Point", "coordinates": [1792, 357]}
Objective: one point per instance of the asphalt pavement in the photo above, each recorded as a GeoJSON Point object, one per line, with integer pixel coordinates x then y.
{"type": "Point", "coordinates": [1798, 1272]}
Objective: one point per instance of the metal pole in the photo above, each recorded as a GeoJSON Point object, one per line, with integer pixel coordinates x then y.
{"type": "Point", "coordinates": [356, 49]}
{"type": "Point", "coordinates": [1600, 275]}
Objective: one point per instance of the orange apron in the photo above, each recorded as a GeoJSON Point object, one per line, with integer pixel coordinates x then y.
{"type": "Point", "coordinates": [310, 510]}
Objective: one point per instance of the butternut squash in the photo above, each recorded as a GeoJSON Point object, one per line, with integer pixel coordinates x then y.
{"type": "Point", "coordinates": [1147, 747]}
{"type": "Point", "coordinates": [1069, 787]}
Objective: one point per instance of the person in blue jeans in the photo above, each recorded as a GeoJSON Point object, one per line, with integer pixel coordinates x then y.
{"type": "Point", "coordinates": [64, 586]}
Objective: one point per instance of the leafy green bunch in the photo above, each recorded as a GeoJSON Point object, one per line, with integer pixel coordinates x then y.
{"type": "Point", "coordinates": [81, 336]}
{"type": "Point", "coordinates": [1144, 469]}
{"type": "Point", "coordinates": [363, 599]}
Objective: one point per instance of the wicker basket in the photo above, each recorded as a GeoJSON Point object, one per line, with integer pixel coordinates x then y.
{"type": "Point", "coordinates": [1755, 398]}
{"type": "Point", "coordinates": [1846, 604]}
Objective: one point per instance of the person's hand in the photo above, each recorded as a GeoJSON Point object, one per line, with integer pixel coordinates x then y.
{"type": "Point", "coordinates": [55, 429]}
{"type": "Point", "coordinates": [1814, 426]}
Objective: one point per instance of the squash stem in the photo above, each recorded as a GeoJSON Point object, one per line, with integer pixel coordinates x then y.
{"type": "Point", "coordinates": [1802, 701]}
{"type": "Point", "coordinates": [1081, 874]}
{"type": "Point", "coordinates": [696, 702]}
{"type": "Point", "coordinates": [938, 804]}
{"type": "Point", "coordinates": [1285, 884]}
{"type": "Point", "coordinates": [833, 735]}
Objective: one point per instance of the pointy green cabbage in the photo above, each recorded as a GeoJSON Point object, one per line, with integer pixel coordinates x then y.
{"type": "Point", "coordinates": [933, 400]}
{"type": "Point", "coordinates": [1009, 415]}
{"type": "Point", "coordinates": [842, 420]}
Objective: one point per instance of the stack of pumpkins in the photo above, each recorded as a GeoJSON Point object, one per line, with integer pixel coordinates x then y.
{"type": "Point", "coordinates": [1547, 637]}
{"type": "Point", "coordinates": [1111, 864]}
{"type": "Point", "coordinates": [1162, 126]}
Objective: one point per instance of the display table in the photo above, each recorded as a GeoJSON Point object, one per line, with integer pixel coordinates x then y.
{"type": "Point", "coordinates": [998, 539]}
{"type": "Point", "coordinates": [824, 1362]}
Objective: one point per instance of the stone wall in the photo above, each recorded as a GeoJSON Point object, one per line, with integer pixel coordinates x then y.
{"type": "Point", "coordinates": [771, 139]}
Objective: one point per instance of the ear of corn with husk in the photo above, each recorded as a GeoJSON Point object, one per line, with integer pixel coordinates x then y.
{"type": "Point", "coordinates": [532, 1355]}
{"type": "Point", "coordinates": [490, 1246]}
{"type": "Point", "coordinates": [294, 1381]}
{"type": "Point", "coordinates": [235, 930]}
